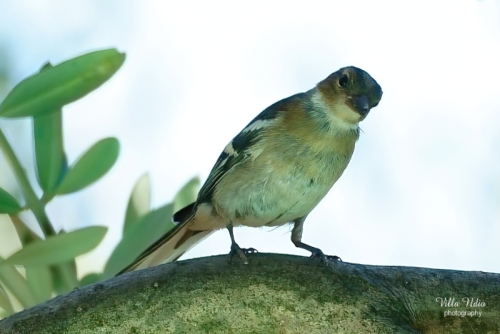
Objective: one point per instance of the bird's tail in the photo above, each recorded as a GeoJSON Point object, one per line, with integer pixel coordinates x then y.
{"type": "Point", "coordinates": [173, 244]}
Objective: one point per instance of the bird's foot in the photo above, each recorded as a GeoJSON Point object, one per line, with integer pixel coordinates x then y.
{"type": "Point", "coordinates": [317, 253]}
{"type": "Point", "coordinates": [242, 252]}
{"type": "Point", "coordinates": [325, 258]}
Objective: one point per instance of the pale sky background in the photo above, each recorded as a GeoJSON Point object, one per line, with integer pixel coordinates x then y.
{"type": "Point", "coordinates": [423, 187]}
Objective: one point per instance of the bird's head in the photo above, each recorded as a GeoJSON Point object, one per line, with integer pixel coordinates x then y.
{"type": "Point", "coordinates": [350, 93]}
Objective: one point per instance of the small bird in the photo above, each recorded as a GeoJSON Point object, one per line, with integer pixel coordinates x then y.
{"type": "Point", "coordinates": [277, 169]}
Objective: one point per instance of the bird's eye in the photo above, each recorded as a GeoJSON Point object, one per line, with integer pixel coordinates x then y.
{"type": "Point", "coordinates": [343, 80]}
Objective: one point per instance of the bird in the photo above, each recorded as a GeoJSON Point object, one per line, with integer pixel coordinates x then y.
{"type": "Point", "coordinates": [277, 169]}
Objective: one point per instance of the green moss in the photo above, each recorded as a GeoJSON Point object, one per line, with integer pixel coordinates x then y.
{"type": "Point", "coordinates": [273, 294]}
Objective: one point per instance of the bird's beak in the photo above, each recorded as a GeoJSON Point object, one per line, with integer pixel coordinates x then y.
{"type": "Point", "coordinates": [359, 104]}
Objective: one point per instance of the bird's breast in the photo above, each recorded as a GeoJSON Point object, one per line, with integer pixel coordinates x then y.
{"type": "Point", "coordinates": [281, 183]}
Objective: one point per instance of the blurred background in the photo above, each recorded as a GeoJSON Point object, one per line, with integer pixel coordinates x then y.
{"type": "Point", "coordinates": [423, 186]}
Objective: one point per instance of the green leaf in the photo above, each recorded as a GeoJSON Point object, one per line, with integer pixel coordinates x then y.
{"type": "Point", "coordinates": [59, 248]}
{"type": "Point", "coordinates": [138, 238]}
{"type": "Point", "coordinates": [90, 279]}
{"type": "Point", "coordinates": [139, 203]}
{"type": "Point", "coordinates": [187, 194]}
{"type": "Point", "coordinates": [53, 87]}
{"type": "Point", "coordinates": [92, 165]}
{"type": "Point", "coordinates": [8, 203]}
{"type": "Point", "coordinates": [51, 163]}
{"type": "Point", "coordinates": [5, 302]}
{"type": "Point", "coordinates": [24, 234]}
{"type": "Point", "coordinates": [46, 66]}
{"type": "Point", "coordinates": [64, 278]}
{"type": "Point", "coordinates": [16, 283]}
{"type": "Point", "coordinates": [40, 281]}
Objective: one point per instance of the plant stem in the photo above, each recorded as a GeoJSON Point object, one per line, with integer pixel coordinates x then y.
{"type": "Point", "coordinates": [32, 201]}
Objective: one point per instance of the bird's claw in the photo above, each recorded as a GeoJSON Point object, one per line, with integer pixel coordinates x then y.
{"type": "Point", "coordinates": [249, 250]}
{"type": "Point", "coordinates": [235, 249]}
{"type": "Point", "coordinates": [325, 258]}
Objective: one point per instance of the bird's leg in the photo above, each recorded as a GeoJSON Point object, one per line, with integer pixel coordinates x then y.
{"type": "Point", "coordinates": [315, 252]}
{"type": "Point", "coordinates": [235, 249]}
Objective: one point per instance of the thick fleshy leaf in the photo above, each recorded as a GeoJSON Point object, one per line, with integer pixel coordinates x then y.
{"type": "Point", "coordinates": [64, 277]}
{"type": "Point", "coordinates": [51, 163]}
{"type": "Point", "coordinates": [40, 281]}
{"type": "Point", "coordinates": [92, 165]}
{"type": "Point", "coordinates": [59, 248]}
{"type": "Point", "coordinates": [139, 203]}
{"type": "Point", "coordinates": [5, 302]}
{"type": "Point", "coordinates": [25, 235]}
{"type": "Point", "coordinates": [54, 87]}
{"type": "Point", "coordinates": [187, 194]}
{"type": "Point", "coordinates": [142, 235]}
{"type": "Point", "coordinates": [90, 279]}
{"type": "Point", "coordinates": [16, 283]}
{"type": "Point", "coordinates": [8, 203]}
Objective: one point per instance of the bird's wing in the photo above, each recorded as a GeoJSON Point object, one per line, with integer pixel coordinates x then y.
{"type": "Point", "coordinates": [239, 149]}
{"type": "Point", "coordinates": [179, 240]}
